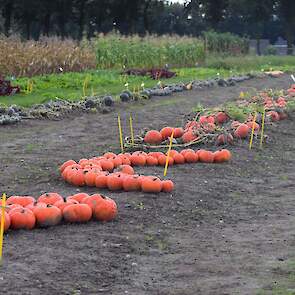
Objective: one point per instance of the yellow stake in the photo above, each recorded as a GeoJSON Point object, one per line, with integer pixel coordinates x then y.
{"type": "Point", "coordinates": [120, 133]}
{"type": "Point", "coordinates": [2, 225]}
{"type": "Point", "coordinates": [131, 129]}
{"type": "Point", "coordinates": [262, 128]}
{"type": "Point", "coordinates": [252, 133]}
{"type": "Point", "coordinates": [168, 153]}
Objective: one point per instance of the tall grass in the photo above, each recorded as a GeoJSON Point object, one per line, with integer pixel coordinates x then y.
{"type": "Point", "coordinates": [116, 51]}
{"type": "Point", "coordinates": [49, 55]}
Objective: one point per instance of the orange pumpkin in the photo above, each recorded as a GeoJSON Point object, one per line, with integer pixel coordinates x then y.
{"type": "Point", "coordinates": [189, 136]}
{"type": "Point", "coordinates": [62, 204]}
{"type": "Point", "coordinates": [101, 180]}
{"type": "Point", "coordinates": [90, 177]}
{"type": "Point", "coordinates": [131, 183]}
{"type": "Point", "coordinates": [77, 177]}
{"type": "Point", "coordinates": [138, 159]}
{"type": "Point", "coordinates": [79, 197]}
{"type": "Point", "coordinates": [178, 132]}
{"type": "Point", "coordinates": [50, 198]}
{"type": "Point", "coordinates": [125, 159]}
{"type": "Point", "coordinates": [6, 220]}
{"type": "Point", "coordinates": [221, 156]}
{"type": "Point", "coordinates": [106, 165]}
{"type": "Point", "coordinates": [109, 155]}
{"type": "Point", "coordinates": [167, 186]}
{"type": "Point", "coordinates": [22, 218]}
{"type": "Point", "coordinates": [273, 115]}
{"type": "Point", "coordinates": [35, 205]}
{"type": "Point", "coordinates": [117, 161]}
{"type": "Point", "coordinates": [48, 216]}
{"type": "Point", "coordinates": [206, 156]}
{"type": "Point", "coordinates": [183, 152]}
{"type": "Point", "coordinates": [226, 138]}
{"type": "Point", "coordinates": [166, 132]}
{"type": "Point", "coordinates": [20, 200]}
{"type": "Point", "coordinates": [153, 137]}
{"type": "Point", "coordinates": [162, 161]}
{"type": "Point", "coordinates": [250, 125]}
{"type": "Point", "coordinates": [77, 213]}
{"type": "Point", "coordinates": [155, 154]}
{"type": "Point", "coordinates": [66, 164]}
{"type": "Point", "coordinates": [93, 200]}
{"type": "Point", "coordinates": [179, 159]}
{"type": "Point", "coordinates": [221, 117]}
{"type": "Point", "coordinates": [105, 210]}
{"type": "Point", "coordinates": [126, 169]}
{"type": "Point", "coordinates": [151, 184]}
{"type": "Point", "coordinates": [242, 131]}
{"type": "Point", "coordinates": [115, 182]}
{"type": "Point", "coordinates": [151, 161]}
{"type": "Point", "coordinates": [8, 208]}
{"type": "Point", "coordinates": [191, 157]}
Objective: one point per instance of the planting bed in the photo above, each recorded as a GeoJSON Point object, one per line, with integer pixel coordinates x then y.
{"type": "Point", "coordinates": [225, 228]}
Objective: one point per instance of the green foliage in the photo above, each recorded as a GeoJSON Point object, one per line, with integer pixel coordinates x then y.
{"type": "Point", "coordinates": [226, 43]}
{"type": "Point", "coordinates": [116, 51]}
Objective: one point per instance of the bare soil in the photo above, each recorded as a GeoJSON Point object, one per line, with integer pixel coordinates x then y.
{"type": "Point", "coordinates": [224, 229]}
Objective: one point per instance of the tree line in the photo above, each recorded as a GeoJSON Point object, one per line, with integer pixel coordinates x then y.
{"type": "Point", "coordinates": [78, 18]}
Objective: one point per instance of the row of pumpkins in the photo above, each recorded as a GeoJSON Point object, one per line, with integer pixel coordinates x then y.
{"type": "Point", "coordinates": [24, 212]}
{"type": "Point", "coordinates": [193, 130]}
{"type": "Point", "coordinates": [115, 172]}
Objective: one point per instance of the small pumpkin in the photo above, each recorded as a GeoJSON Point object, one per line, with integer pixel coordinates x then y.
{"type": "Point", "coordinates": [106, 165]}
{"type": "Point", "coordinates": [179, 159]}
{"type": "Point", "coordinates": [131, 183]}
{"type": "Point", "coordinates": [166, 132]}
{"type": "Point", "coordinates": [151, 161]}
{"type": "Point", "coordinates": [162, 160]}
{"type": "Point", "coordinates": [178, 132]}
{"type": "Point", "coordinates": [35, 205]}
{"type": "Point", "coordinates": [66, 164]}
{"type": "Point", "coordinates": [62, 204]}
{"type": "Point", "coordinates": [20, 200]}
{"type": "Point", "coordinates": [101, 180]}
{"type": "Point", "coordinates": [206, 156]}
{"type": "Point", "coordinates": [93, 200]}
{"type": "Point", "coordinates": [22, 218]}
{"type": "Point", "coordinates": [138, 159]}
{"type": "Point", "coordinates": [151, 184]}
{"type": "Point", "coordinates": [50, 198]}
{"type": "Point", "coordinates": [77, 177]}
{"type": "Point", "coordinates": [77, 213]}
{"type": "Point", "coordinates": [221, 156]}
{"type": "Point", "coordinates": [105, 210]}
{"type": "Point", "coordinates": [79, 197]}
{"type": "Point", "coordinates": [126, 169]}
{"type": "Point", "coordinates": [115, 182]}
{"type": "Point", "coordinates": [153, 137]}
{"type": "Point", "coordinates": [48, 216]}
{"type": "Point", "coordinates": [90, 177]}
{"type": "Point", "coordinates": [167, 186]}
{"type": "Point", "coordinates": [242, 131]}
{"type": "Point", "coordinates": [221, 117]}
{"type": "Point", "coordinates": [191, 157]}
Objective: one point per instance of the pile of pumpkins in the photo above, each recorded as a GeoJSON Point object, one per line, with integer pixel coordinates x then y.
{"type": "Point", "coordinates": [115, 172]}
{"type": "Point", "coordinates": [213, 123]}
{"type": "Point", "coordinates": [25, 212]}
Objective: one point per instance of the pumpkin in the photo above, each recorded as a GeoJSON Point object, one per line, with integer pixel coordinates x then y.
{"type": "Point", "coordinates": [172, 153]}
{"type": "Point", "coordinates": [50, 198]}
{"type": "Point", "coordinates": [35, 205]}
{"type": "Point", "coordinates": [221, 117]}
{"type": "Point", "coordinates": [126, 169]}
{"type": "Point", "coordinates": [153, 137]}
{"type": "Point", "coordinates": [166, 132]}
{"type": "Point", "coordinates": [93, 200]}
{"type": "Point", "coordinates": [167, 186]}
{"type": "Point", "coordinates": [242, 131]}
{"type": "Point", "coordinates": [206, 119]}
{"type": "Point", "coordinates": [117, 161]}
{"type": "Point", "coordinates": [273, 115]}
{"type": "Point", "coordinates": [235, 124]}
{"type": "Point", "coordinates": [206, 156]}
{"type": "Point", "coordinates": [77, 213]}
{"type": "Point", "coordinates": [114, 182]}
{"type": "Point", "coordinates": [79, 197]}
{"type": "Point", "coordinates": [48, 216]}
{"type": "Point", "coordinates": [221, 156]}
{"type": "Point", "coordinates": [6, 220]}
{"type": "Point", "coordinates": [106, 165]}
{"type": "Point", "coordinates": [67, 173]}
{"type": "Point", "coordinates": [62, 204]}
{"type": "Point", "coordinates": [125, 159]}
{"type": "Point", "coordinates": [183, 152]}
{"type": "Point", "coordinates": [178, 159]}
{"type": "Point", "coordinates": [192, 125]}
{"type": "Point", "coordinates": [8, 208]}
{"type": "Point", "coordinates": [250, 125]}
{"type": "Point", "coordinates": [178, 132]}
{"type": "Point", "coordinates": [90, 177]}
{"type": "Point", "coordinates": [189, 136]}
{"type": "Point", "coordinates": [225, 138]}
{"type": "Point", "coordinates": [20, 200]}
{"type": "Point", "coordinates": [151, 184]}
{"type": "Point", "coordinates": [108, 155]}
{"type": "Point", "coordinates": [151, 161]}
{"type": "Point", "coordinates": [162, 160]}
{"type": "Point", "coordinates": [101, 180]}
{"type": "Point", "coordinates": [22, 218]}
{"type": "Point", "coordinates": [105, 210]}
{"type": "Point", "coordinates": [77, 177]}
{"type": "Point", "coordinates": [155, 154]}
{"type": "Point", "coordinates": [131, 183]}
{"type": "Point", "coordinates": [191, 157]}
{"type": "Point", "coordinates": [66, 164]}
{"type": "Point", "coordinates": [138, 159]}
{"type": "Point", "coordinates": [84, 162]}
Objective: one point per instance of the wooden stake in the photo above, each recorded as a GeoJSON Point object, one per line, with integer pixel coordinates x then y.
{"type": "Point", "coordinates": [252, 133]}
{"type": "Point", "coordinates": [120, 133]}
{"type": "Point", "coordinates": [131, 129]}
{"type": "Point", "coordinates": [2, 225]}
{"type": "Point", "coordinates": [168, 153]}
{"type": "Point", "coordinates": [262, 128]}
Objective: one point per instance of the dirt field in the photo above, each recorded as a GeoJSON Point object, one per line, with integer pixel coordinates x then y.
{"type": "Point", "coordinates": [224, 230]}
